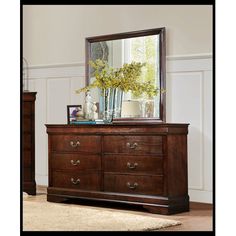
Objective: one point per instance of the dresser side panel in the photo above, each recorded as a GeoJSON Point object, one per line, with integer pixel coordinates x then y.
{"type": "Point", "coordinates": [176, 166]}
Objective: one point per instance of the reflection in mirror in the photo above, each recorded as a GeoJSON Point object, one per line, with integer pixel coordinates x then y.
{"type": "Point", "coordinates": [147, 46]}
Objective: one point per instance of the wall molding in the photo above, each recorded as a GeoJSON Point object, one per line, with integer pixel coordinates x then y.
{"type": "Point", "coordinates": [190, 56]}
{"type": "Point", "coordinates": [77, 69]}
{"type": "Point", "coordinates": [200, 196]}
{"type": "Point", "coordinates": [56, 71]}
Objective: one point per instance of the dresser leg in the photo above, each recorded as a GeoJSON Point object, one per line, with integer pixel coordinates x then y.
{"type": "Point", "coordinates": [157, 210]}
{"type": "Point", "coordinates": [173, 209]}
{"type": "Point", "coordinates": [29, 187]}
{"type": "Point", "coordinates": [53, 198]}
{"type": "Point", "coordinates": [31, 191]}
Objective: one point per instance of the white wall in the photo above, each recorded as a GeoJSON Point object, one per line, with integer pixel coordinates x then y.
{"type": "Point", "coordinates": [56, 34]}
{"type": "Point", "coordinates": [54, 46]}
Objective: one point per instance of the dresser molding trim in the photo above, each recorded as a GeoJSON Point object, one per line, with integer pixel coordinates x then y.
{"type": "Point", "coordinates": [154, 204]}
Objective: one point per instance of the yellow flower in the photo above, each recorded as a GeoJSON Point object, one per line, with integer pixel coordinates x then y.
{"type": "Point", "coordinates": [126, 78]}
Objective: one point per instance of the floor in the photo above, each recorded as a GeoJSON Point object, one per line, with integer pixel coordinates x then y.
{"type": "Point", "coordinates": [199, 218]}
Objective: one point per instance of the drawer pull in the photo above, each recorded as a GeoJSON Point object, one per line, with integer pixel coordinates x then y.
{"type": "Point", "coordinates": [74, 144]}
{"type": "Point", "coordinates": [130, 166]}
{"type": "Point", "coordinates": [132, 186]}
{"type": "Point", "coordinates": [75, 181]}
{"type": "Point", "coordinates": [132, 146]}
{"type": "Point", "coordinates": [75, 163]}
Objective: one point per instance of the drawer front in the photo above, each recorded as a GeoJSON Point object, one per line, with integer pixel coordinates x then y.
{"type": "Point", "coordinates": [133, 144]}
{"type": "Point", "coordinates": [27, 122]}
{"type": "Point", "coordinates": [76, 162]}
{"type": "Point", "coordinates": [27, 174]}
{"type": "Point", "coordinates": [27, 159]}
{"type": "Point", "coordinates": [77, 180]}
{"type": "Point", "coordinates": [150, 185]}
{"type": "Point", "coordinates": [76, 143]}
{"type": "Point", "coordinates": [27, 108]}
{"type": "Point", "coordinates": [133, 164]}
{"type": "Point", "coordinates": [27, 141]}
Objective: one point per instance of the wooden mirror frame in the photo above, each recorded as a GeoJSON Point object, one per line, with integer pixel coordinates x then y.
{"type": "Point", "coordinates": [162, 47]}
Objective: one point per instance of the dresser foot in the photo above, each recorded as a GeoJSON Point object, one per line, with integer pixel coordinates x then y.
{"type": "Point", "coordinates": [30, 188]}
{"type": "Point", "coordinates": [157, 210]}
{"type": "Point", "coordinates": [167, 210]}
{"type": "Point", "coordinates": [31, 191]}
{"type": "Point", "coordinates": [58, 199]}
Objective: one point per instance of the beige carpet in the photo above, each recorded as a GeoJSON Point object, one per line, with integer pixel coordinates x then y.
{"type": "Point", "coordinates": [40, 215]}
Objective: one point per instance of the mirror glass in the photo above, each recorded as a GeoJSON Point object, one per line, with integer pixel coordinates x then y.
{"type": "Point", "coordinates": [146, 46]}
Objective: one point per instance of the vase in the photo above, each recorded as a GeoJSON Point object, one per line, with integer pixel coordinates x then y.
{"type": "Point", "coordinates": [117, 103]}
{"type": "Point", "coordinates": [106, 104]}
{"type": "Point", "coordinates": [110, 104]}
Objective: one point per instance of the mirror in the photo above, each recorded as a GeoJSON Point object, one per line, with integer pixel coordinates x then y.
{"type": "Point", "coordinates": [146, 46]}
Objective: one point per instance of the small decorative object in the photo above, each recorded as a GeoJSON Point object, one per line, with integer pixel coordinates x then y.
{"type": "Point", "coordinates": [74, 113]}
{"type": "Point", "coordinates": [149, 108]}
{"type": "Point", "coordinates": [88, 105]}
{"type": "Point", "coordinates": [131, 109]}
{"type": "Point", "coordinates": [25, 75]}
{"type": "Point", "coordinates": [94, 111]}
{"type": "Point", "coordinates": [112, 82]}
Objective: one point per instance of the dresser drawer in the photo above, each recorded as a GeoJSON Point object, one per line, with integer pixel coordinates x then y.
{"type": "Point", "coordinates": [133, 144]}
{"type": "Point", "coordinates": [27, 141]}
{"type": "Point", "coordinates": [27, 123]}
{"type": "Point", "coordinates": [150, 185]}
{"type": "Point", "coordinates": [27, 159]}
{"type": "Point", "coordinates": [27, 108]}
{"type": "Point", "coordinates": [76, 143]}
{"type": "Point", "coordinates": [77, 180]}
{"type": "Point", "coordinates": [27, 174]}
{"type": "Point", "coordinates": [132, 164]}
{"type": "Point", "coordinates": [76, 162]}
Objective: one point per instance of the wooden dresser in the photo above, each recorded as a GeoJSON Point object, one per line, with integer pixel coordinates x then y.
{"type": "Point", "coordinates": [144, 164]}
{"type": "Point", "coordinates": [28, 148]}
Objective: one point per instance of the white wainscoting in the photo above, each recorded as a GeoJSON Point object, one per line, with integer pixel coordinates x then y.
{"type": "Point", "coordinates": [189, 100]}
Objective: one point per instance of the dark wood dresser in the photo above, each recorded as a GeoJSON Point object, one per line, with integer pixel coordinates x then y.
{"type": "Point", "coordinates": [28, 157]}
{"type": "Point", "coordinates": [144, 164]}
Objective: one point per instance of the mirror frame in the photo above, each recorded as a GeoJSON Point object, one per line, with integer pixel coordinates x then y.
{"type": "Point", "coordinates": [162, 46]}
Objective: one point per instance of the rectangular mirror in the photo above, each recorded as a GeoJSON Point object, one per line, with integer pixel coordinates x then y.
{"type": "Point", "coordinates": [146, 46]}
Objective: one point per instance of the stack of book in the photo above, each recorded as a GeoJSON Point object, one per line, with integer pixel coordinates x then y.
{"type": "Point", "coordinates": [88, 122]}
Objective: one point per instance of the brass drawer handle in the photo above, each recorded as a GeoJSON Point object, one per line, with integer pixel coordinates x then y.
{"type": "Point", "coordinates": [75, 181]}
{"type": "Point", "coordinates": [74, 144]}
{"type": "Point", "coordinates": [75, 163]}
{"type": "Point", "coordinates": [132, 146]}
{"type": "Point", "coordinates": [130, 166]}
{"type": "Point", "coordinates": [134, 186]}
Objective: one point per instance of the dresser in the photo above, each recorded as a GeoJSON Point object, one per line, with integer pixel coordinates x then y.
{"type": "Point", "coordinates": [28, 144]}
{"type": "Point", "coordinates": [142, 164]}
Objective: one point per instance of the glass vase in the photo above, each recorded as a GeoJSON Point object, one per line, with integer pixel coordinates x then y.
{"type": "Point", "coordinates": [117, 103]}
{"type": "Point", "coordinates": [106, 104]}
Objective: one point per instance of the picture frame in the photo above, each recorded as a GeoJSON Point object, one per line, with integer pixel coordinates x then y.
{"type": "Point", "coordinates": [74, 112]}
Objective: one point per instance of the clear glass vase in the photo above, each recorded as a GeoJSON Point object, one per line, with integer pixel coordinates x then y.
{"type": "Point", "coordinates": [110, 104]}
{"type": "Point", "coordinates": [106, 104]}
{"type": "Point", "coordinates": [117, 103]}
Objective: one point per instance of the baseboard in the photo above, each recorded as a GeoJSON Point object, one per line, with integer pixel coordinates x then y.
{"type": "Point", "coordinates": [41, 180]}
{"type": "Point", "coordinates": [200, 196]}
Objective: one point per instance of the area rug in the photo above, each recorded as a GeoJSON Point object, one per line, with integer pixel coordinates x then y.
{"type": "Point", "coordinates": [40, 215]}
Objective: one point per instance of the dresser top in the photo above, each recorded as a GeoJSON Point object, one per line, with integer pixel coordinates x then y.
{"type": "Point", "coordinates": [152, 124]}
{"type": "Point", "coordinates": [119, 128]}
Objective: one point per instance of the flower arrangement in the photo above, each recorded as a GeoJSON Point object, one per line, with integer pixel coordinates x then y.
{"type": "Point", "coordinates": [126, 78]}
